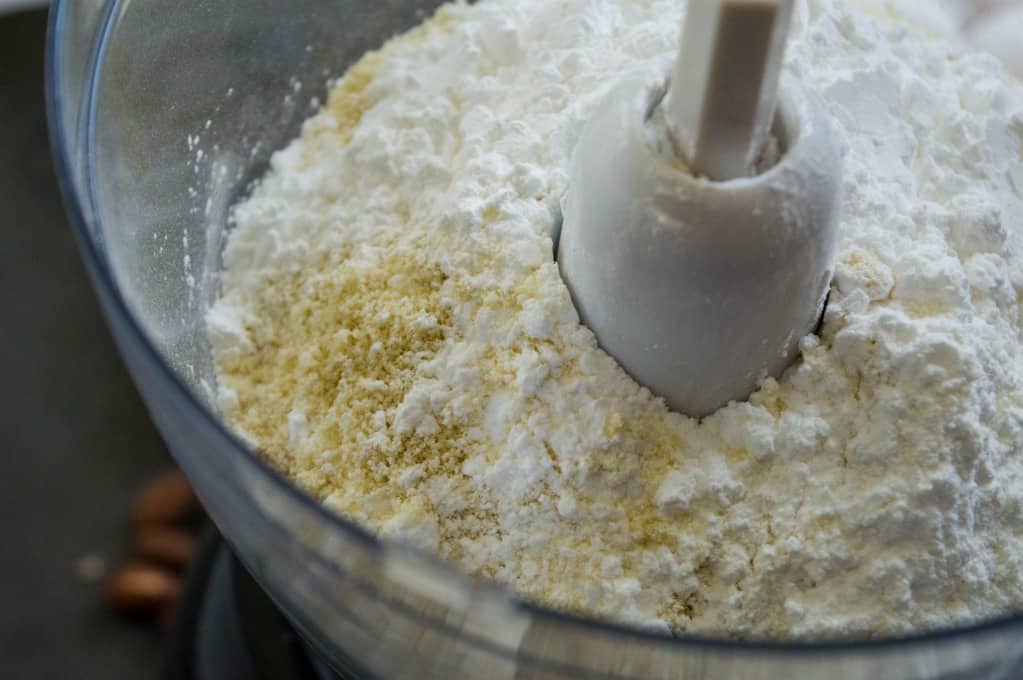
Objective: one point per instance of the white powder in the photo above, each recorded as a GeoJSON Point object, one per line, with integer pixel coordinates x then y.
{"type": "Point", "coordinates": [394, 335]}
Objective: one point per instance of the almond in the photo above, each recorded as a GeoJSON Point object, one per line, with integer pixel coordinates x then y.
{"type": "Point", "coordinates": [168, 546]}
{"type": "Point", "coordinates": [137, 588]}
{"type": "Point", "coordinates": [168, 499]}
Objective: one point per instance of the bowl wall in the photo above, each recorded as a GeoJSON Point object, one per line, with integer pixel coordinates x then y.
{"type": "Point", "coordinates": [162, 114]}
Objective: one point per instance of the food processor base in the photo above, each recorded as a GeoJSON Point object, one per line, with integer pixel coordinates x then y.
{"type": "Point", "coordinates": [227, 628]}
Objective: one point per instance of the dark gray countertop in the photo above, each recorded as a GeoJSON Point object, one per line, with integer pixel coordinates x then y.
{"type": "Point", "coordinates": [75, 440]}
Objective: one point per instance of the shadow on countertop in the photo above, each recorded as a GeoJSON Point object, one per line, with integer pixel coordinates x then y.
{"type": "Point", "coordinates": [75, 439]}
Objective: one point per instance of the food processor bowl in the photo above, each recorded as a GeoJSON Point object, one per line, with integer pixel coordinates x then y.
{"type": "Point", "coordinates": [162, 114]}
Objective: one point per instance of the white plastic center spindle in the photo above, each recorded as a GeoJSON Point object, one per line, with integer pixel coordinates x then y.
{"type": "Point", "coordinates": [724, 86]}
{"type": "Point", "coordinates": [698, 262]}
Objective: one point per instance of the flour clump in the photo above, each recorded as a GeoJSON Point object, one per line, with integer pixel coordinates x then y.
{"type": "Point", "coordinates": [394, 335]}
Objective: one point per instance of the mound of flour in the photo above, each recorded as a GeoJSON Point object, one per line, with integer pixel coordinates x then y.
{"type": "Point", "coordinates": [394, 335]}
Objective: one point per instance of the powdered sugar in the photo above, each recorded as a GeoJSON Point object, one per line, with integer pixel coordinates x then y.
{"type": "Point", "coordinates": [393, 333]}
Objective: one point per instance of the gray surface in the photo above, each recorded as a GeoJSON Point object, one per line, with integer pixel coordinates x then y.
{"type": "Point", "coordinates": [75, 440]}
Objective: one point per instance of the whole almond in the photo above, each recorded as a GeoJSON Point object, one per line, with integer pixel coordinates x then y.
{"type": "Point", "coordinates": [166, 545]}
{"type": "Point", "coordinates": [168, 499]}
{"type": "Point", "coordinates": [138, 588]}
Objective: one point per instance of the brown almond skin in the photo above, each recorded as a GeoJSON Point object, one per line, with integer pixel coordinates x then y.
{"type": "Point", "coordinates": [168, 499]}
{"type": "Point", "coordinates": [166, 545]}
{"type": "Point", "coordinates": [138, 588]}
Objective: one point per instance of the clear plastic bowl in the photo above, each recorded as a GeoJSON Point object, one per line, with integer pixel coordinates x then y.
{"type": "Point", "coordinates": [161, 114]}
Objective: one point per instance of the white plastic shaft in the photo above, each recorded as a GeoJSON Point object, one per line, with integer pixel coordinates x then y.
{"type": "Point", "coordinates": [724, 86]}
